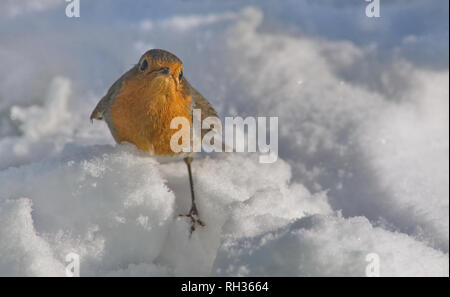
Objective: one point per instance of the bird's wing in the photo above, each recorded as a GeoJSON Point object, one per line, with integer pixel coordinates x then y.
{"type": "Point", "coordinates": [106, 101]}
{"type": "Point", "coordinates": [99, 110]}
{"type": "Point", "coordinates": [200, 102]}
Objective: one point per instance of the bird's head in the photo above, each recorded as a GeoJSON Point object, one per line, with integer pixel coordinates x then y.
{"type": "Point", "coordinates": [157, 77]}
{"type": "Point", "coordinates": [160, 71]}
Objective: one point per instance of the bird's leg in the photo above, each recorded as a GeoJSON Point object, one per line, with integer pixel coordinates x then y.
{"type": "Point", "coordinates": [193, 213]}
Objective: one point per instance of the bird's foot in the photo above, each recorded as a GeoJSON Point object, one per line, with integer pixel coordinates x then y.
{"type": "Point", "coordinates": [194, 219]}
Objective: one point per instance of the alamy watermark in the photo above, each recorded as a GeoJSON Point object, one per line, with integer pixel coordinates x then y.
{"type": "Point", "coordinates": [373, 9]}
{"type": "Point", "coordinates": [73, 268]}
{"type": "Point", "coordinates": [231, 138]}
{"type": "Point", "coordinates": [73, 8]}
{"type": "Point", "coordinates": [373, 268]}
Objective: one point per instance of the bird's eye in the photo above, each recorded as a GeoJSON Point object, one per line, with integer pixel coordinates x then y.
{"type": "Point", "coordinates": [144, 65]}
{"type": "Point", "coordinates": [181, 75]}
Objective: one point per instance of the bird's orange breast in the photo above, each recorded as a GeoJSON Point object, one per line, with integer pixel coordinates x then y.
{"type": "Point", "coordinates": [142, 111]}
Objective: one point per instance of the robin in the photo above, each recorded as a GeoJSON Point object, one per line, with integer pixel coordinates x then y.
{"type": "Point", "coordinates": [139, 107]}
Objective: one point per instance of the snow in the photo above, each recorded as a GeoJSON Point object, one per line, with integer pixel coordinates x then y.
{"type": "Point", "coordinates": [363, 141]}
{"type": "Point", "coordinates": [328, 246]}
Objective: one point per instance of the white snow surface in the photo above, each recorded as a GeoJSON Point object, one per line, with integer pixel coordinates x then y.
{"type": "Point", "coordinates": [363, 137]}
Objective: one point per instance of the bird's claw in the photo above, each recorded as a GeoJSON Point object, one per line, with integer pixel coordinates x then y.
{"type": "Point", "coordinates": [195, 220]}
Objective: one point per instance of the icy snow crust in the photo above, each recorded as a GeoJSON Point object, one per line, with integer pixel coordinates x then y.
{"type": "Point", "coordinates": [363, 164]}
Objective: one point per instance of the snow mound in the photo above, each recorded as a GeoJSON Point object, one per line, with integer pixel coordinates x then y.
{"type": "Point", "coordinates": [328, 246]}
{"type": "Point", "coordinates": [118, 209]}
{"type": "Point", "coordinates": [23, 251]}
{"type": "Point", "coordinates": [81, 205]}
{"type": "Point", "coordinates": [114, 208]}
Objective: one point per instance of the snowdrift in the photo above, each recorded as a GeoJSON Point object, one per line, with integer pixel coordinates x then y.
{"type": "Point", "coordinates": [118, 209]}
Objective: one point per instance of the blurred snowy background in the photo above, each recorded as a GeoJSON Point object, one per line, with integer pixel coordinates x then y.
{"type": "Point", "coordinates": [363, 107]}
